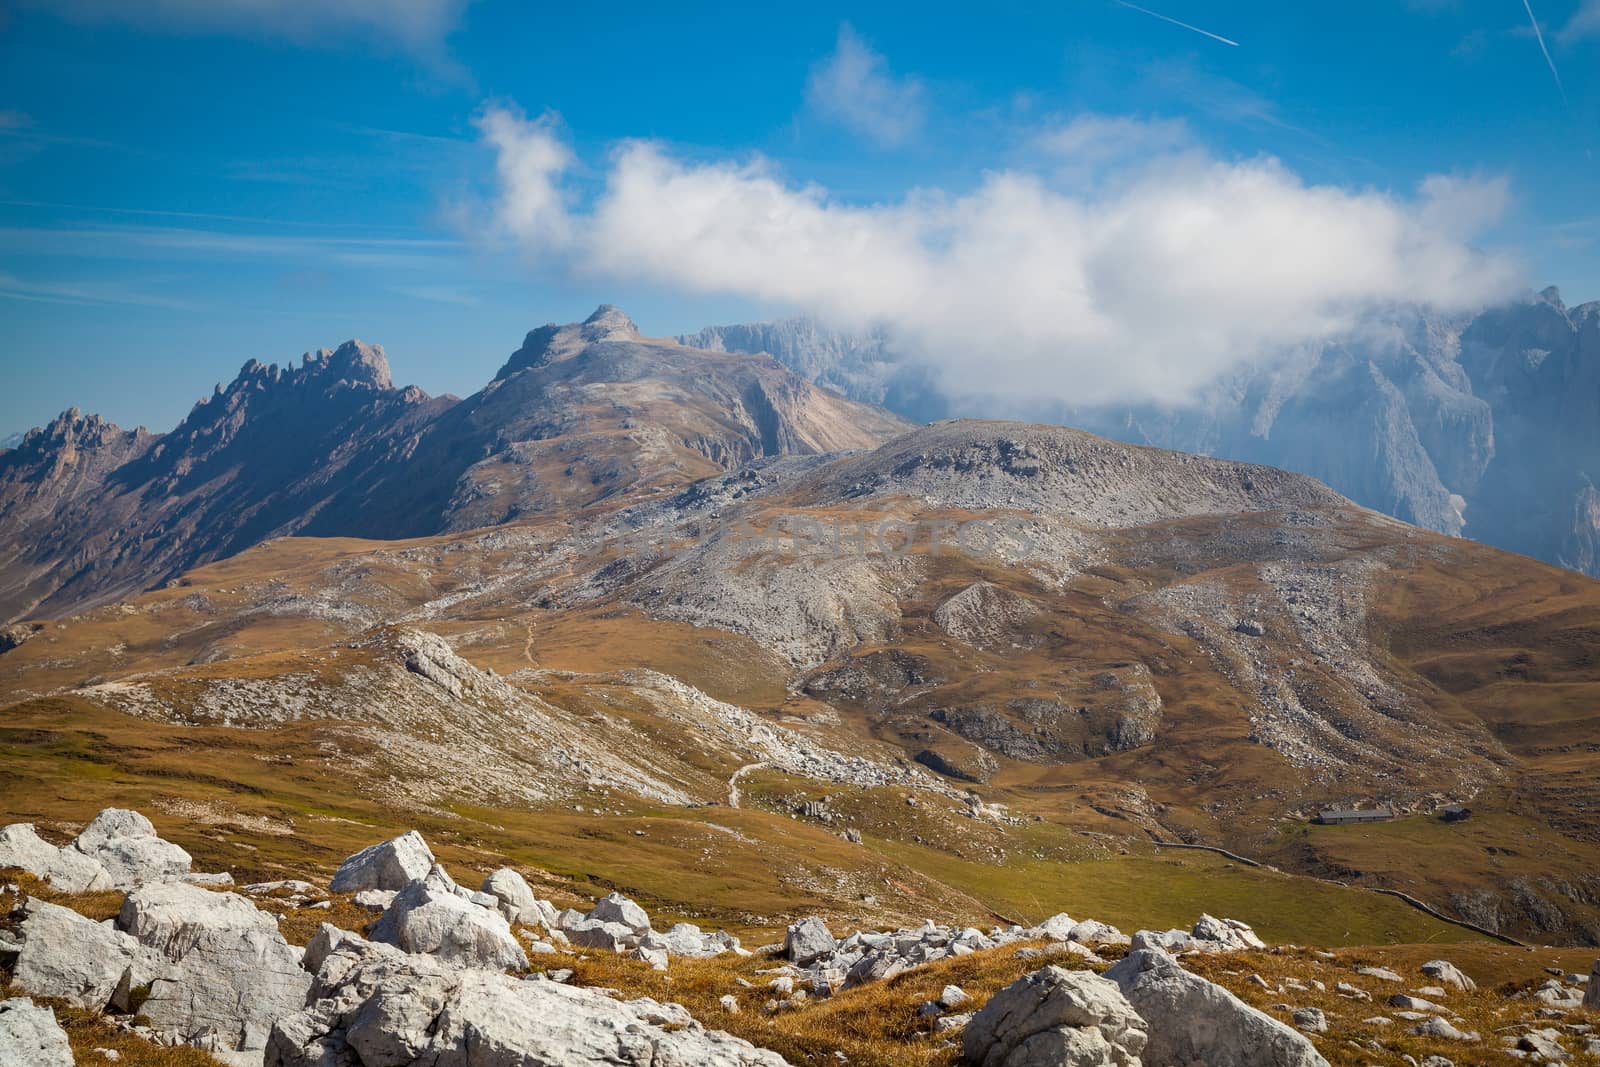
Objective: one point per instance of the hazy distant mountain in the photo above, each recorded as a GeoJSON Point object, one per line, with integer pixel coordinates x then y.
{"type": "Point", "coordinates": [859, 365]}
{"type": "Point", "coordinates": [11, 441]}
{"type": "Point", "coordinates": [1486, 426]}
{"type": "Point", "coordinates": [580, 414]}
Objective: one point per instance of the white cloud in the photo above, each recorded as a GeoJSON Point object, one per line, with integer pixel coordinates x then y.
{"type": "Point", "coordinates": [530, 157]}
{"type": "Point", "coordinates": [1180, 271]}
{"type": "Point", "coordinates": [1584, 23]}
{"type": "Point", "coordinates": [417, 25]}
{"type": "Point", "coordinates": [854, 86]}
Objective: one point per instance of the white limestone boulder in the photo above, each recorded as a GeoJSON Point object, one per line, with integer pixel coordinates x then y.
{"type": "Point", "coordinates": [432, 917]}
{"type": "Point", "coordinates": [1094, 932]}
{"type": "Point", "coordinates": [808, 941]}
{"type": "Point", "coordinates": [88, 964]}
{"type": "Point", "coordinates": [1230, 935]}
{"type": "Point", "coordinates": [514, 897]}
{"type": "Point", "coordinates": [128, 847]}
{"type": "Point", "coordinates": [1056, 1018]}
{"type": "Point", "coordinates": [64, 868]}
{"type": "Point", "coordinates": [616, 908]}
{"type": "Point", "coordinates": [1056, 928]}
{"type": "Point", "coordinates": [392, 864]}
{"type": "Point", "coordinates": [1446, 973]}
{"type": "Point", "coordinates": [31, 1037]}
{"type": "Point", "coordinates": [1191, 1020]}
{"type": "Point", "coordinates": [227, 971]}
{"type": "Point", "coordinates": [597, 933]}
{"type": "Point", "coordinates": [416, 1009]}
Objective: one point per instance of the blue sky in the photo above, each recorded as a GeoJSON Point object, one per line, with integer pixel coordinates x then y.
{"type": "Point", "coordinates": [200, 184]}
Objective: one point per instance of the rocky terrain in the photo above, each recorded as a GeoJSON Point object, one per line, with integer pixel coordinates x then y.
{"type": "Point", "coordinates": [437, 973]}
{"type": "Point", "coordinates": [1481, 426]}
{"type": "Point", "coordinates": [1006, 624]}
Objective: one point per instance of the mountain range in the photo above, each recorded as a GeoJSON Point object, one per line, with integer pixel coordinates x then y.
{"type": "Point", "coordinates": [578, 415]}
{"type": "Point", "coordinates": [637, 590]}
{"type": "Point", "coordinates": [1485, 426]}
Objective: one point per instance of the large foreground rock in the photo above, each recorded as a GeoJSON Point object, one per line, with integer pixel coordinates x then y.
{"type": "Point", "coordinates": [1191, 1020]}
{"type": "Point", "coordinates": [85, 963]}
{"type": "Point", "coordinates": [31, 1037]}
{"type": "Point", "coordinates": [1591, 996]}
{"type": "Point", "coordinates": [127, 846]}
{"type": "Point", "coordinates": [64, 868]}
{"type": "Point", "coordinates": [227, 973]}
{"type": "Point", "coordinates": [1056, 1018]}
{"type": "Point", "coordinates": [383, 1008]}
{"type": "Point", "coordinates": [436, 918]}
{"type": "Point", "coordinates": [392, 864]}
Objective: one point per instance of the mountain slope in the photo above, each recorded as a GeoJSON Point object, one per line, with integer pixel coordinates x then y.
{"type": "Point", "coordinates": [585, 413]}
{"type": "Point", "coordinates": [579, 415]}
{"type": "Point", "coordinates": [1103, 643]}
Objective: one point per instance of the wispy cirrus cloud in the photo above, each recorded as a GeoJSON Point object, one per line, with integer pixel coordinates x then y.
{"type": "Point", "coordinates": [418, 26]}
{"type": "Point", "coordinates": [1146, 289]}
{"type": "Point", "coordinates": [164, 242]}
{"type": "Point", "coordinates": [1583, 25]}
{"type": "Point", "coordinates": [86, 293]}
{"type": "Point", "coordinates": [855, 87]}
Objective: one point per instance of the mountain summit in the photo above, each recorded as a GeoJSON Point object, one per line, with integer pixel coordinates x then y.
{"type": "Point", "coordinates": [551, 342]}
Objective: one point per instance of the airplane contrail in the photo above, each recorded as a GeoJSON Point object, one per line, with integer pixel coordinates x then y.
{"type": "Point", "coordinates": [1185, 25]}
{"type": "Point", "coordinates": [1554, 73]}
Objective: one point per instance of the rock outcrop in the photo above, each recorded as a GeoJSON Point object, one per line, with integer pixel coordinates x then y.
{"type": "Point", "coordinates": [1191, 1020]}
{"type": "Point", "coordinates": [436, 917]}
{"type": "Point", "coordinates": [1591, 995]}
{"type": "Point", "coordinates": [1056, 1018]}
{"type": "Point", "coordinates": [378, 1008]}
{"type": "Point", "coordinates": [1207, 935]}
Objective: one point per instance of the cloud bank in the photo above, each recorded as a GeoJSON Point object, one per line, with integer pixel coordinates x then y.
{"type": "Point", "coordinates": [1182, 269]}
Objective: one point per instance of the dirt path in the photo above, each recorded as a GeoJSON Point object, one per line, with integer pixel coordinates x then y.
{"type": "Point", "coordinates": [733, 781]}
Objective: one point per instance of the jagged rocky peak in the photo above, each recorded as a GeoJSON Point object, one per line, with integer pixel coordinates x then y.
{"type": "Point", "coordinates": [353, 361]}
{"type": "Point", "coordinates": [553, 342]}
{"type": "Point", "coordinates": [71, 430]}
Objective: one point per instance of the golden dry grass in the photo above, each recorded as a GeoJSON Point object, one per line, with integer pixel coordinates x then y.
{"type": "Point", "coordinates": [878, 1024]}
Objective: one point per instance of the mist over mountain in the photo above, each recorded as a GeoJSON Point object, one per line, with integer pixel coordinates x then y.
{"type": "Point", "coordinates": [1480, 425]}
